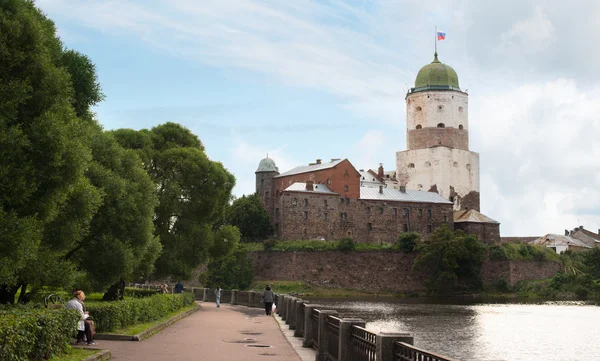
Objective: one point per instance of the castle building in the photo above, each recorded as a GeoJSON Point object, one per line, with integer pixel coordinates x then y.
{"type": "Point", "coordinates": [438, 158]}
{"type": "Point", "coordinates": [436, 180]}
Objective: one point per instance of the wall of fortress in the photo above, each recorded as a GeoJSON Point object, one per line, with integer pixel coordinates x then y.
{"type": "Point", "coordinates": [378, 271]}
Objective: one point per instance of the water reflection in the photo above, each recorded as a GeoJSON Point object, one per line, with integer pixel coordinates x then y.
{"type": "Point", "coordinates": [485, 331]}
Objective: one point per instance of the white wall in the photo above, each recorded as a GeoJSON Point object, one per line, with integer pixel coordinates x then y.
{"type": "Point", "coordinates": [430, 115]}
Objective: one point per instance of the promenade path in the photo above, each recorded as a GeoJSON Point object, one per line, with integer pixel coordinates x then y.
{"type": "Point", "coordinates": [211, 334]}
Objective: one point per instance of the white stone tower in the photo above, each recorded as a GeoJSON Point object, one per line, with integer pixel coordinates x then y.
{"type": "Point", "coordinates": [437, 136]}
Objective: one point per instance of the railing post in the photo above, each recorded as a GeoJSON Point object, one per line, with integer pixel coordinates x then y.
{"type": "Point", "coordinates": [234, 294]}
{"type": "Point", "coordinates": [345, 340]}
{"type": "Point", "coordinates": [298, 316]}
{"type": "Point", "coordinates": [322, 336]}
{"type": "Point", "coordinates": [250, 298]}
{"type": "Point", "coordinates": [289, 320]}
{"type": "Point", "coordinates": [204, 294]}
{"type": "Point", "coordinates": [384, 344]}
{"type": "Point", "coordinates": [283, 304]}
{"type": "Point", "coordinates": [308, 332]}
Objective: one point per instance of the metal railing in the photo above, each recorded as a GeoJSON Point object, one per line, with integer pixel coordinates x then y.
{"type": "Point", "coordinates": [406, 352]}
{"type": "Point", "coordinates": [333, 337]}
{"type": "Point", "coordinates": [363, 344]}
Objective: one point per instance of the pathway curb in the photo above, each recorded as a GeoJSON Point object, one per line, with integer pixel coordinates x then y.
{"type": "Point", "coordinates": [98, 356]}
{"type": "Point", "coordinates": [149, 332]}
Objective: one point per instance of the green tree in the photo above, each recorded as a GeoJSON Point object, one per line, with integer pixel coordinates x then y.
{"type": "Point", "coordinates": [234, 271]}
{"type": "Point", "coordinates": [407, 241]}
{"type": "Point", "coordinates": [192, 193]}
{"type": "Point", "coordinates": [43, 151]}
{"type": "Point", "coordinates": [249, 215]}
{"type": "Point", "coordinates": [448, 257]}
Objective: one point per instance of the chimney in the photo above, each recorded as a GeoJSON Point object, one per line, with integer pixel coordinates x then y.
{"type": "Point", "coordinates": [318, 161]}
{"type": "Point", "coordinates": [309, 185]}
{"type": "Point", "coordinates": [380, 170]}
{"type": "Point", "coordinates": [362, 170]}
{"type": "Point", "coordinates": [381, 189]}
{"type": "Point", "coordinates": [599, 231]}
{"type": "Point", "coordinates": [580, 227]}
{"type": "Point", "coordinates": [403, 189]}
{"type": "Point", "coordinates": [566, 232]}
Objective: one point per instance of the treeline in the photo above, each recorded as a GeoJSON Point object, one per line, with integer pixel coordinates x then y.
{"type": "Point", "coordinates": [84, 207]}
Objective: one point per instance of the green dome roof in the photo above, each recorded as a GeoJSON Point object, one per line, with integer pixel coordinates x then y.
{"type": "Point", "coordinates": [436, 76]}
{"type": "Point", "coordinates": [267, 165]}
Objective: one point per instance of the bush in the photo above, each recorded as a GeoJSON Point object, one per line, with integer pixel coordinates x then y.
{"type": "Point", "coordinates": [346, 245]}
{"type": "Point", "coordinates": [139, 292]}
{"type": "Point", "coordinates": [110, 316]}
{"type": "Point", "coordinates": [407, 241]}
{"type": "Point", "coordinates": [27, 333]}
{"type": "Point", "coordinates": [498, 253]}
{"type": "Point", "coordinates": [269, 244]}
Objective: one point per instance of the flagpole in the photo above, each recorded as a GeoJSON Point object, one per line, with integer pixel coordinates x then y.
{"type": "Point", "coordinates": [435, 39]}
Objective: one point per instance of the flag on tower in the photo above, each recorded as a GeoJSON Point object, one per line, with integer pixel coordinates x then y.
{"type": "Point", "coordinates": [441, 35]}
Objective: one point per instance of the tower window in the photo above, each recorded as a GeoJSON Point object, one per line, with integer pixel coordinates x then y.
{"type": "Point", "coordinates": [429, 228]}
{"type": "Point", "coordinates": [305, 214]}
{"type": "Point", "coordinates": [440, 107]}
{"type": "Point", "coordinates": [445, 219]}
{"type": "Point", "coordinates": [277, 212]}
{"type": "Point", "coordinates": [328, 181]}
{"type": "Point", "coordinates": [428, 164]}
{"type": "Point", "coordinates": [345, 188]}
{"type": "Point", "coordinates": [404, 212]}
{"type": "Point", "coordinates": [380, 210]}
{"type": "Point", "coordinates": [441, 125]}
{"type": "Point", "coordinates": [405, 227]}
{"type": "Point", "coordinates": [262, 182]}
{"type": "Point", "coordinates": [370, 226]}
{"type": "Point", "coordinates": [429, 213]}
{"type": "Point", "coordinates": [306, 202]}
{"type": "Point", "coordinates": [420, 212]}
{"type": "Point", "coordinates": [460, 109]}
{"type": "Point", "coordinates": [468, 166]}
{"type": "Point", "coordinates": [325, 203]}
{"type": "Point", "coordinates": [411, 165]}
{"type": "Point", "coordinates": [325, 217]}
{"type": "Point", "coordinates": [455, 164]}
{"type": "Point", "coordinates": [460, 126]}
{"type": "Point", "coordinates": [395, 211]}
{"type": "Point", "coordinates": [419, 109]}
{"type": "Point", "coordinates": [419, 126]}
{"type": "Point", "coordinates": [294, 201]}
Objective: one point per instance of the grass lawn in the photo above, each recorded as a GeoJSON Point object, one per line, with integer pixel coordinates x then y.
{"type": "Point", "coordinates": [311, 290]}
{"type": "Point", "coordinates": [74, 354]}
{"type": "Point", "coordinates": [135, 329]}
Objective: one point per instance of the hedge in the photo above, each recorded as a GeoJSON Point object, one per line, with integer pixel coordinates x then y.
{"type": "Point", "coordinates": [28, 333]}
{"type": "Point", "coordinates": [110, 316]}
{"type": "Point", "coordinates": [140, 292]}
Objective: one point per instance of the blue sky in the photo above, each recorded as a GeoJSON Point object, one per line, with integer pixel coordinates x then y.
{"type": "Point", "coordinates": [309, 79]}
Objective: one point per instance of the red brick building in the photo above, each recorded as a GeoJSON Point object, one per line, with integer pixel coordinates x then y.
{"type": "Point", "coordinates": [327, 201]}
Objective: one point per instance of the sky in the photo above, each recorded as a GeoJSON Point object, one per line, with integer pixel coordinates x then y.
{"type": "Point", "coordinates": [308, 79]}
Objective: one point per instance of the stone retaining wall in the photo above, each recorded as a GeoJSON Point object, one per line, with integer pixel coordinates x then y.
{"type": "Point", "coordinates": [378, 271]}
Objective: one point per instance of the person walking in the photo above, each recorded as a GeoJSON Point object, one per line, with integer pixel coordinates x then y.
{"type": "Point", "coordinates": [218, 291]}
{"type": "Point", "coordinates": [179, 287]}
{"type": "Point", "coordinates": [268, 298]}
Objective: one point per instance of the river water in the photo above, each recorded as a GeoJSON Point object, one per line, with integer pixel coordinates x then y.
{"type": "Point", "coordinates": [468, 331]}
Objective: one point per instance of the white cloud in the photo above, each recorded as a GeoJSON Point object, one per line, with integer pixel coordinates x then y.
{"type": "Point", "coordinates": [536, 32]}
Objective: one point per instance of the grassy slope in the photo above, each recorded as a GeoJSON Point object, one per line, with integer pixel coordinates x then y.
{"type": "Point", "coordinates": [74, 354]}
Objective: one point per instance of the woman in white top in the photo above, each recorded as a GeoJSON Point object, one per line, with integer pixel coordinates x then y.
{"type": "Point", "coordinates": [218, 291]}
{"type": "Point", "coordinates": [76, 303]}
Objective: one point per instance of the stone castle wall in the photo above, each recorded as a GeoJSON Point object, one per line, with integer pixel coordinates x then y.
{"type": "Point", "coordinates": [378, 271]}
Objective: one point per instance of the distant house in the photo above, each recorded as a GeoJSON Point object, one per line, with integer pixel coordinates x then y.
{"type": "Point", "coordinates": [560, 243]}
{"type": "Point", "coordinates": [590, 238]}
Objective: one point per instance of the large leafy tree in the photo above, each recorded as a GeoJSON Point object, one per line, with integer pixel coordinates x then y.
{"type": "Point", "coordinates": [449, 257]}
{"type": "Point", "coordinates": [192, 193]}
{"type": "Point", "coordinates": [44, 152]}
{"type": "Point", "coordinates": [249, 215]}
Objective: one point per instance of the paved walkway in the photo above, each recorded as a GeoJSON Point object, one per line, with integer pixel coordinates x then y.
{"type": "Point", "coordinates": [211, 334]}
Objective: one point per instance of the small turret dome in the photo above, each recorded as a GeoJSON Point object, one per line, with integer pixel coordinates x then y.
{"type": "Point", "coordinates": [436, 76]}
{"type": "Point", "coordinates": [267, 165]}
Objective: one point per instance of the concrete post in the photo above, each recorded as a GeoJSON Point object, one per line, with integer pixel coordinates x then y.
{"type": "Point", "coordinates": [322, 337]}
{"type": "Point", "coordinates": [288, 310]}
{"type": "Point", "coordinates": [234, 294]}
{"type": "Point", "coordinates": [345, 340]}
{"type": "Point", "coordinates": [299, 318]}
{"type": "Point", "coordinates": [204, 294]}
{"type": "Point", "coordinates": [308, 331]}
{"type": "Point", "coordinates": [250, 299]}
{"type": "Point", "coordinates": [384, 344]}
{"type": "Point", "coordinates": [283, 307]}
{"type": "Point", "coordinates": [293, 308]}
{"type": "Point", "coordinates": [279, 306]}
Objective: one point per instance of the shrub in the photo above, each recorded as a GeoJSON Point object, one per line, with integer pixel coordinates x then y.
{"type": "Point", "coordinates": [407, 241]}
{"type": "Point", "coordinates": [346, 245]}
{"type": "Point", "coordinates": [109, 316]}
{"type": "Point", "coordinates": [27, 333]}
{"type": "Point", "coordinates": [269, 244]}
{"type": "Point", "coordinates": [498, 253]}
{"type": "Point", "coordinates": [139, 292]}
{"type": "Point", "coordinates": [502, 286]}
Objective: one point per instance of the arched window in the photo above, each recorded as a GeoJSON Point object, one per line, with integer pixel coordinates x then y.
{"type": "Point", "coordinates": [419, 126]}
{"type": "Point", "coordinates": [428, 164]}
{"type": "Point", "coordinates": [468, 166]}
{"type": "Point", "coordinates": [328, 181]}
{"type": "Point", "coordinates": [411, 165]}
{"type": "Point", "coordinates": [419, 109]}
{"type": "Point", "coordinates": [420, 186]}
{"type": "Point", "coordinates": [262, 182]}
{"type": "Point", "coordinates": [460, 109]}
{"type": "Point", "coordinates": [441, 125]}
{"type": "Point", "coordinates": [455, 164]}
{"type": "Point", "coordinates": [460, 126]}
